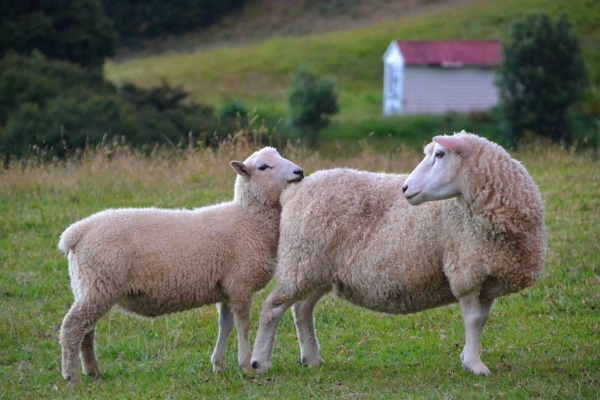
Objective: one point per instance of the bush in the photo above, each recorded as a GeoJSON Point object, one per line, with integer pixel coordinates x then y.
{"type": "Point", "coordinates": [233, 109]}
{"type": "Point", "coordinates": [75, 31]}
{"type": "Point", "coordinates": [313, 100]}
{"type": "Point", "coordinates": [65, 123]}
{"type": "Point", "coordinates": [541, 77]}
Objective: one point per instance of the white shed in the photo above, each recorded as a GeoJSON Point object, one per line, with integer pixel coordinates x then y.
{"type": "Point", "coordinates": [433, 77]}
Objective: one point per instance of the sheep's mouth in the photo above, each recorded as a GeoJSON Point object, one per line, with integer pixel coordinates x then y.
{"type": "Point", "coordinates": [412, 196]}
{"type": "Point", "coordinates": [298, 179]}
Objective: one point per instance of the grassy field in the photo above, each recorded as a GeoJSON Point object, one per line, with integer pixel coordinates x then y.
{"type": "Point", "coordinates": [259, 73]}
{"type": "Point", "coordinates": [543, 342]}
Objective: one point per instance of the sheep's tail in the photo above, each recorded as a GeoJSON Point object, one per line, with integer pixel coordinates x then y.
{"type": "Point", "coordinates": [72, 236]}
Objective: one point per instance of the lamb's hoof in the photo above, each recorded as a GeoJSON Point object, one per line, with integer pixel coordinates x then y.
{"type": "Point", "coordinates": [94, 375]}
{"type": "Point", "coordinates": [260, 367]}
{"type": "Point", "coordinates": [246, 367]}
{"type": "Point", "coordinates": [218, 367]}
{"type": "Point", "coordinates": [73, 381]}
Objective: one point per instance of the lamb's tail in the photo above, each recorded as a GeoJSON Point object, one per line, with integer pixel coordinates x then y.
{"type": "Point", "coordinates": [72, 236]}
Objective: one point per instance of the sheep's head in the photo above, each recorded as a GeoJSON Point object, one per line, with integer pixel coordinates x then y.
{"type": "Point", "coordinates": [437, 177]}
{"type": "Point", "coordinates": [263, 176]}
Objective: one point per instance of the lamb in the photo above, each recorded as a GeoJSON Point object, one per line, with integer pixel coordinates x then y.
{"type": "Point", "coordinates": [353, 232]}
{"type": "Point", "coordinates": [152, 262]}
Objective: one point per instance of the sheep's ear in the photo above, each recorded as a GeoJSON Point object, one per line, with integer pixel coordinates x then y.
{"type": "Point", "coordinates": [455, 144]}
{"type": "Point", "coordinates": [240, 168]}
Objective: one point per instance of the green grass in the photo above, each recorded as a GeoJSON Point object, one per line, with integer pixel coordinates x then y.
{"type": "Point", "coordinates": [543, 342]}
{"type": "Point", "coordinates": [259, 74]}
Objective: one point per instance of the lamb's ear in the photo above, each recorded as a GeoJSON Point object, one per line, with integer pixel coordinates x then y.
{"type": "Point", "coordinates": [240, 168]}
{"type": "Point", "coordinates": [455, 144]}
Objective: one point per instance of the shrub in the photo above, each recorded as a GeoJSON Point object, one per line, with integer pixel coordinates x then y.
{"type": "Point", "coordinates": [313, 100]}
{"type": "Point", "coordinates": [541, 77]}
{"type": "Point", "coordinates": [233, 109]}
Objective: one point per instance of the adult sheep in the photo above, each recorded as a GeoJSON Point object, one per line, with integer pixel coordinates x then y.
{"type": "Point", "coordinates": [353, 231]}
{"type": "Point", "coordinates": [152, 262]}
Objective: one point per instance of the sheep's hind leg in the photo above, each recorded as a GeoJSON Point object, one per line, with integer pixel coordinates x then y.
{"type": "Point", "coordinates": [305, 327]}
{"type": "Point", "coordinates": [225, 327]}
{"type": "Point", "coordinates": [88, 356]}
{"type": "Point", "coordinates": [242, 324]}
{"type": "Point", "coordinates": [475, 315]}
{"type": "Point", "coordinates": [77, 324]}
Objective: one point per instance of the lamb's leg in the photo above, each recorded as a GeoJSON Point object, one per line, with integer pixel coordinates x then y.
{"type": "Point", "coordinates": [273, 309]}
{"type": "Point", "coordinates": [225, 327]}
{"type": "Point", "coordinates": [305, 327]}
{"type": "Point", "coordinates": [88, 356]}
{"type": "Point", "coordinates": [475, 315]}
{"type": "Point", "coordinates": [79, 322]}
{"type": "Point", "coordinates": [242, 324]}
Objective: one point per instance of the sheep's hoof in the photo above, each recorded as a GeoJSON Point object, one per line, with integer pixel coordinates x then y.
{"type": "Point", "coordinates": [477, 367]}
{"type": "Point", "coordinates": [315, 362]}
{"type": "Point", "coordinates": [261, 366]}
{"type": "Point", "coordinates": [218, 367]}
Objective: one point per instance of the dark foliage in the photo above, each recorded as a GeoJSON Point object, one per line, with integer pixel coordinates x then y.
{"type": "Point", "coordinates": [75, 31]}
{"type": "Point", "coordinates": [233, 109]}
{"type": "Point", "coordinates": [542, 76]}
{"type": "Point", "coordinates": [313, 100]}
{"type": "Point", "coordinates": [148, 18]}
{"type": "Point", "coordinates": [60, 107]}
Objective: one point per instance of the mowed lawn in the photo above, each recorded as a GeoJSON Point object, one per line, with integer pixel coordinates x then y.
{"type": "Point", "coordinates": [543, 342]}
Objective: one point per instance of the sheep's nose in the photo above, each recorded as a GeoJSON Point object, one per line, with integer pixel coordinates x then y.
{"type": "Point", "coordinates": [299, 172]}
{"type": "Point", "coordinates": [404, 188]}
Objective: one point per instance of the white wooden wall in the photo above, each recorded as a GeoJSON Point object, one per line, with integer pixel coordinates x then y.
{"type": "Point", "coordinates": [435, 90]}
{"type": "Point", "coordinates": [392, 89]}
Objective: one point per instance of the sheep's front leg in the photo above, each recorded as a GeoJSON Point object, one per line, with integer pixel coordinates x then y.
{"type": "Point", "coordinates": [225, 327]}
{"type": "Point", "coordinates": [305, 327]}
{"type": "Point", "coordinates": [273, 309]}
{"type": "Point", "coordinates": [475, 314]}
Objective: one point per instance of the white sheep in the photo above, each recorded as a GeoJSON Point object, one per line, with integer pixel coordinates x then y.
{"type": "Point", "coordinates": [152, 262]}
{"type": "Point", "coordinates": [353, 231]}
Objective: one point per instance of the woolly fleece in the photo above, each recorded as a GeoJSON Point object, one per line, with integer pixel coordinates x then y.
{"type": "Point", "coordinates": [151, 262]}
{"type": "Point", "coordinates": [354, 232]}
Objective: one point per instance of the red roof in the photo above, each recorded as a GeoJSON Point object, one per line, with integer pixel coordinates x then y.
{"type": "Point", "coordinates": [483, 53]}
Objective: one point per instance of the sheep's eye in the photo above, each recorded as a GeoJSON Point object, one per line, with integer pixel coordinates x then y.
{"type": "Point", "coordinates": [263, 167]}
{"type": "Point", "coordinates": [439, 154]}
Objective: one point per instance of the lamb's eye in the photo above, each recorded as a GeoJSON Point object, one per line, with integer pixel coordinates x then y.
{"type": "Point", "coordinates": [263, 167]}
{"type": "Point", "coordinates": [439, 154]}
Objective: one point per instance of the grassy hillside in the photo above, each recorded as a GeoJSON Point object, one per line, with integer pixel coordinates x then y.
{"type": "Point", "coordinates": [542, 342]}
{"type": "Point", "coordinates": [258, 74]}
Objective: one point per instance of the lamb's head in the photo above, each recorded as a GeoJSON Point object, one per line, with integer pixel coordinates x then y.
{"type": "Point", "coordinates": [438, 176]}
{"type": "Point", "coordinates": [263, 176]}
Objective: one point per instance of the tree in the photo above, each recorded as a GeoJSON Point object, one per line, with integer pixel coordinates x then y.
{"type": "Point", "coordinates": [542, 75]}
{"type": "Point", "coordinates": [313, 100]}
{"type": "Point", "coordinates": [74, 31]}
